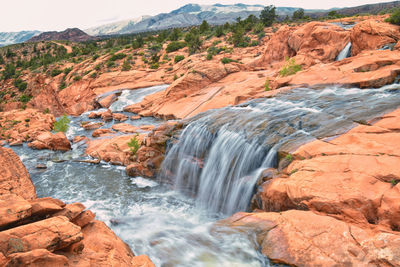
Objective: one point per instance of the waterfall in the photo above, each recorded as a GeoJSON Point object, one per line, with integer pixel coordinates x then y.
{"type": "Point", "coordinates": [345, 53]}
{"type": "Point", "coordinates": [221, 154]}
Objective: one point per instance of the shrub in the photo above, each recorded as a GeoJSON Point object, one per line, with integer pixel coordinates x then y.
{"type": "Point", "coordinates": [290, 68]}
{"type": "Point", "coordinates": [134, 144]}
{"type": "Point", "coordinates": [20, 84]}
{"type": "Point", "coordinates": [154, 66]}
{"type": "Point", "coordinates": [175, 77]}
{"type": "Point", "coordinates": [175, 46]}
{"type": "Point", "coordinates": [62, 124]}
{"type": "Point", "coordinates": [96, 56]}
{"type": "Point", "coordinates": [67, 70]}
{"type": "Point", "coordinates": [46, 111]}
{"type": "Point", "coordinates": [126, 66]}
{"type": "Point", "coordinates": [9, 71]}
{"type": "Point", "coordinates": [62, 86]}
{"type": "Point", "coordinates": [289, 157]}
{"type": "Point", "coordinates": [258, 28]}
{"type": "Point", "coordinates": [219, 31]}
{"type": "Point", "coordinates": [25, 98]}
{"type": "Point", "coordinates": [209, 56]}
{"type": "Point", "coordinates": [93, 75]}
{"type": "Point", "coordinates": [394, 17]}
{"type": "Point", "coordinates": [55, 72]}
{"type": "Point", "coordinates": [117, 56]}
{"type": "Point", "coordinates": [179, 58]}
{"type": "Point", "coordinates": [77, 78]}
{"type": "Point", "coordinates": [227, 60]}
{"type": "Point", "coordinates": [266, 85]}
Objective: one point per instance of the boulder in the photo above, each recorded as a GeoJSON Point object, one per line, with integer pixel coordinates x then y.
{"type": "Point", "coordinates": [51, 234]}
{"type": "Point", "coordinates": [351, 178]}
{"type": "Point", "coordinates": [119, 117]}
{"type": "Point", "coordinates": [303, 238]}
{"type": "Point", "coordinates": [373, 34]}
{"type": "Point", "coordinates": [51, 141]}
{"type": "Point", "coordinates": [13, 209]}
{"type": "Point", "coordinates": [125, 128]}
{"type": "Point", "coordinates": [102, 132]}
{"type": "Point", "coordinates": [36, 258]}
{"type": "Point", "coordinates": [14, 178]}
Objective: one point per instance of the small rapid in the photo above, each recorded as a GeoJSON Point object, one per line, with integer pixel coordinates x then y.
{"type": "Point", "coordinates": [214, 165]}
{"type": "Point", "coordinates": [345, 53]}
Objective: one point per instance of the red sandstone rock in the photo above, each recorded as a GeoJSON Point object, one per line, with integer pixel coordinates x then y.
{"type": "Point", "coordinates": [51, 234]}
{"type": "Point", "coordinates": [302, 238]}
{"type": "Point", "coordinates": [24, 125]}
{"type": "Point", "coordinates": [91, 125]}
{"type": "Point", "coordinates": [107, 115]}
{"type": "Point", "coordinates": [14, 178]}
{"type": "Point", "coordinates": [125, 128]}
{"type": "Point", "coordinates": [51, 141]}
{"type": "Point", "coordinates": [102, 132]}
{"type": "Point", "coordinates": [108, 100]}
{"type": "Point", "coordinates": [372, 34]}
{"type": "Point", "coordinates": [36, 258]}
{"type": "Point", "coordinates": [119, 117]}
{"type": "Point", "coordinates": [46, 205]}
{"type": "Point", "coordinates": [13, 208]}
{"type": "Point", "coordinates": [350, 178]}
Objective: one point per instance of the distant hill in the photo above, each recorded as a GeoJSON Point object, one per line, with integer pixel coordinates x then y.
{"type": "Point", "coordinates": [74, 34]}
{"type": "Point", "coordinates": [188, 15]}
{"type": "Point", "coordinates": [364, 9]}
{"type": "Point", "coordinates": [8, 38]}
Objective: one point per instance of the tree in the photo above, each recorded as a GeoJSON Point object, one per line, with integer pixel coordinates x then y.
{"type": "Point", "coordinates": [204, 27]}
{"type": "Point", "coordinates": [268, 15]}
{"type": "Point", "coordinates": [9, 71]}
{"type": "Point", "coordinates": [175, 34]}
{"type": "Point", "coordinates": [1, 59]}
{"type": "Point", "coordinates": [298, 14]}
{"type": "Point", "coordinates": [395, 17]}
{"type": "Point", "coordinates": [193, 41]}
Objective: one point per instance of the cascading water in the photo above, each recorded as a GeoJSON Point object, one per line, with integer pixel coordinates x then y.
{"type": "Point", "coordinates": [221, 153]}
{"type": "Point", "coordinates": [345, 53]}
{"type": "Point", "coordinates": [217, 158]}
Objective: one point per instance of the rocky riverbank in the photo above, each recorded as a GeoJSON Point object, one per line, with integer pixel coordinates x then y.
{"type": "Point", "coordinates": [47, 232]}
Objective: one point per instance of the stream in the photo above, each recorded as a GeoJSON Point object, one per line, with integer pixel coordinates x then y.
{"type": "Point", "coordinates": [213, 165]}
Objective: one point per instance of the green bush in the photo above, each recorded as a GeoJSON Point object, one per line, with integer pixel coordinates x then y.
{"type": "Point", "coordinates": [126, 66]}
{"type": "Point", "coordinates": [154, 66]}
{"type": "Point", "coordinates": [227, 60]}
{"type": "Point", "coordinates": [67, 70]}
{"type": "Point", "coordinates": [134, 144]}
{"type": "Point", "coordinates": [117, 56]}
{"type": "Point", "coordinates": [55, 72]}
{"type": "Point", "coordinates": [175, 77]}
{"type": "Point", "coordinates": [179, 58]}
{"type": "Point", "coordinates": [290, 68]}
{"type": "Point", "coordinates": [394, 17]}
{"type": "Point", "coordinates": [9, 71]}
{"type": "Point", "coordinates": [24, 98]}
{"type": "Point", "coordinates": [175, 46]}
{"type": "Point", "coordinates": [77, 78]}
{"type": "Point", "coordinates": [204, 27]}
{"type": "Point", "coordinates": [266, 85]}
{"type": "Point", "coordinates": [209, 56]}
{"type": "Point", "coordinates": [20, 84]}
{"type": "Point", "coordinates": [62, 124]}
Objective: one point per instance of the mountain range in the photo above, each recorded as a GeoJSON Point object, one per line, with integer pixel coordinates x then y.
{"type": "Point", "coordinates": [188, 15]}
{"type": "Point", "coordinates": [8, 38]}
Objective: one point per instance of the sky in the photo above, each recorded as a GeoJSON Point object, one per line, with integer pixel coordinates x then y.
{"type": "Point", "coordinates": [46, 15]}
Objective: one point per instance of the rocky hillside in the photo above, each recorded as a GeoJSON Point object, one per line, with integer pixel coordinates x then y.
{"type": "Point", "coordinates": [9, 38]}
{"type": "Point", "coordinates": [74, 35]}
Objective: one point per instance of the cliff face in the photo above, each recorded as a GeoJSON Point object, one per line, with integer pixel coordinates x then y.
{"type": "Point", "coordinates": [74, 35]}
